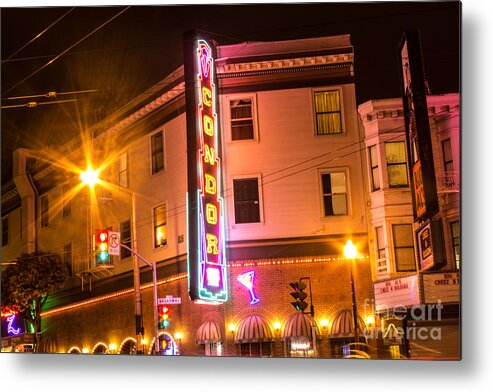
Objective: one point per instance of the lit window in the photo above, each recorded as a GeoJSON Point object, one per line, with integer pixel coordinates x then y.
{"type": "Point", "coordinates": [45, 211]}
{"type": "Point", "coordinates": [157, 152]}
{"type": "Point", "coordinates": [334, 194]}
{"type": "Point", "coordinates": [375, 175]}
{"type": "Point", "coordinates": [126, 239]}
{"type": "Point", "coordinates": [241, 119]}
{"type": "Point", "coordinates": [246, 199]}
{"type": "Point", "coordinates": [67, 202]}
{"type": "Point", "coordinates": [160, 231]}
{"type": "Point", "coordinates": [396, 164]}
{"type": "Point", "coordinates": [123, 170]}
{"type": "Point", "coordinates": [455, 227]}
{"type": "Point", "coordinates": [67, 257]}
{"type": "Point", "coordinates": [5, 231]}
{"type": "Point", "coordinates": [403, 248]}
{"type": "Point", "coordinates": [328, 112]}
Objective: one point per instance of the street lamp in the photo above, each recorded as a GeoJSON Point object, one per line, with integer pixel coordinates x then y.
{"type": "Point", "coordinates": [90, 177]}
{"type": "Point", "coordinates": [350, 252]}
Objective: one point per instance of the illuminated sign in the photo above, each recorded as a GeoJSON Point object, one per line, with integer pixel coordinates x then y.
{"type": "Point", "coordinates": [11, 329]}
{"type": "Point", "coordinates": [430, 245]}
{"type": "Point", "coordinates": [246, 280]}
{"type": "Point", "coordinates": [11, 323]}
{"type": "Point", "coordinates": [205, 209]}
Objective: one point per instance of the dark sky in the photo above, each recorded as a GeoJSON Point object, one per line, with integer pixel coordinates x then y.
{"type": "Point", "coordinates": [143, 44]}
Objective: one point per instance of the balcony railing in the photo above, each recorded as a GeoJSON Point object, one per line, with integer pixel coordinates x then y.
{"type": "Point", "coordinates": [448, 182]}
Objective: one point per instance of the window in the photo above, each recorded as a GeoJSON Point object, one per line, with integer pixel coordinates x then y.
{"type": "Point", "coordinates": [381, 254]}
{"type": "Point", "coordinates": [126, 239]}
{"type": "Point", "coordinates": [455, 228]}
{"type": "Point", "coordinates": [396, 164]}
{"type": "Point", "coordinates": [403, 248]}
{"type": "Point", "coordinates": [67, 257]}
{"type": "Point", "coordinates": [241, 111]}
{"type": "Point", "coordinates": [67, 202]}
{"type": "Point", "coordinates": [45, 211]}
{"type": "Point", "coordinates": [157, 152]}
{"type": "Point", "coordinates": [123, 170]}
{"type": "Point", "coordinates": [328, 112]}
{"type": "Point", "coordinates": [160, 232]}
{"type": "Point", "coordinates": [262, 349]}
{"type": "Point", "coordinates": [5, 231]}
{"type": "Point", "coordinates": [375, 176]}
{"type": "Point", "coordinates": [448, 160]}
{"type": "Point", "coordinates": [246, 199]}
{"type": "Point", "coordinates": [334, 194]}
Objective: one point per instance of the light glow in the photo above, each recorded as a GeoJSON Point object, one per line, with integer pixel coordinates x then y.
{"type": "Point", "coordinates": [11, 329]}
{"type": "Point", "coordinates": [232, 327]}
{"type": "Point", "coordinates": [324, 323]}
{"type": "Point", "coordinates": [350, 251]}
{"type": "Point", "coordinates": [277, 325]}
{"type": "Point", "coordinates": [85, 350]}
{"type": "Point", "coordinates": [90, 177]}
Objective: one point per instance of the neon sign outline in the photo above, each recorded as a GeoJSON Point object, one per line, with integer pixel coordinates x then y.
{"type": "Point", "coordinates": [10, 328]}
{"type": "Point", "coordinates": [246, 280]}
{"type": "Point", "coordinates": [212, 276]}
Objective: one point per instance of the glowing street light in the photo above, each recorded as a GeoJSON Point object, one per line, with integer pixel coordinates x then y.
{"type": "Point", "coordinates": [350, 252]}
{"type": "Point", "coordinates": [90, 177]}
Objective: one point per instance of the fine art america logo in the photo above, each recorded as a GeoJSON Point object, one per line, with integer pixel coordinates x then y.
{"type": "Point", "coordinates": [405, 323]}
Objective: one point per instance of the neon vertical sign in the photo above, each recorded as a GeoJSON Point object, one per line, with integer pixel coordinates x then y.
{"type": "Point", "coordinates": [206, 239]}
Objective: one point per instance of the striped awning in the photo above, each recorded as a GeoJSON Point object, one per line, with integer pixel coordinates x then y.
{"type": "Point", "coordinates": [253, 329]}
{"type": "Point", "coordinates": [208, 332]}
{"type": "Point", "coordinates": [297, 326]}
{"type": "Point", "coordinates": [342, 326]}
{"type": "Point", "coordinates": [47, 344]}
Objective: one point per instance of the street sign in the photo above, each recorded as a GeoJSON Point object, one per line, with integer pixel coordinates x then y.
{"type": "Point", "coordinates": [114, 243]}
{"type": "Point", "coordinates": [169, 299]}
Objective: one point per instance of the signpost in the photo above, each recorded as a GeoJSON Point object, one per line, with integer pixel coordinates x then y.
{"type": "Point", "coordinates": [169, 300]}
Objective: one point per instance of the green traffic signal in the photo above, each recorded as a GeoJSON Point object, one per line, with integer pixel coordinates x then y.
{"type": "Point", "coordinates": [299, 296]}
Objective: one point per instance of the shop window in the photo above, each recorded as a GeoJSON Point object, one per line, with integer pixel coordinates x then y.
{"type": "Point", "coordinates": [403, 247]}
{"type": "Point", "coordinates": [260, 349]}
{"type": "Point", "coordinates": [455, 229]}
{"type": "Point", "coordinates": [160, 231]}
{"type": "Point", "coordinates": [157, 152]}
{"type": "Point", "coordinates": [375, 175]}
{"type": "Point", "coordinates": [334, 192]}
{"type": "Point", "coordinates": [396, 164]}
{"type": "Point", "coordinates": [328, 112]}
{"type": "Point", "coordinates": [123, 170]}
{"type": "Point", "coordinates": [67, 257]}
{"type": "Point", "coordinates": [126, 239]}
{"type": "Point", "coordinates": [67, 201]}
{"type": "Point", "coordinates": [5, 231]}
{"type": "Point", "coordinates": [246, 200]}
{"type": "Point", "coordinates": [242, 121]}
{"type": "Point", "coordinates": [45, 211]}
{"type": "Point", "coordinates": [212, 349]}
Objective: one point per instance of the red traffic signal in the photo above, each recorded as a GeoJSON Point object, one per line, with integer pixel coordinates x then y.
{"type": "Point", "coordinates": [102, 244]}
{"type": "Point", "coordinates": [164, 313]}
{"type": "Point", "coordinates": [299, 296]}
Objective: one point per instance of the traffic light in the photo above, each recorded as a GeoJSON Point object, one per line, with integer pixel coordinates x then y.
{"type": "Point", "coordinates": [164, 313]}
{"type": "Point", "coordinates": [299, 296]}
{"type": "Point", "coordinates": [102, 246]}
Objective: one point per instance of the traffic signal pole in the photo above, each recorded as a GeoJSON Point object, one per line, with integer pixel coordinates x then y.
{"type": "Point", "coordinates": [137, 290]}
{"type": "Point", "coordinates": [312, 317]}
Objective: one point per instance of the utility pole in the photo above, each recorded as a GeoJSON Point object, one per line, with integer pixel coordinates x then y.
{"type": "Point", "coordinates": [312, 317]}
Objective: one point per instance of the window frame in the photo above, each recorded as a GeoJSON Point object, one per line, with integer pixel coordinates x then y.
{"type": "Point", "coordinates": [155, 227]}
{"type": "Point", "coordinates": [444, 160]}
{"type": "Point", "coordinates": [5, 232]}
{"type": "Point", "coordinates": [126, 172]}
{"type": "Point", "coordinates": [372, 168]}
{"type": "Point", "coordinates": [322, 195]}
{"type": "Point", "coordinates": [153, 170]}
{"type": "Point", "coordinates": [45, 214]}
{"type": "Point", "coordinates": [258, 177]}
{"type": "Point", "coordinates": [339, 89]}
{"type": "Point", "coordinates": [395, 247]}
{"type": "Point", "coordinates": [126, 240]}
{"type": "Point", "coordinates": [454, 245]}
{"type": "Point", "coordinates": [396, 164]}
{"type": "Point", "coordinates": [66, 202]}
{"type": "Point", "coordinates": [253, 98]}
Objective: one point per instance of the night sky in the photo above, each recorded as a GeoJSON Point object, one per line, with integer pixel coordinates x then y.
{"type": "Point", "coordinates": [144, 43]}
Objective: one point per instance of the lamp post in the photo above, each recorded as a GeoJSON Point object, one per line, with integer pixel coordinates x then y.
{"type": "Point", "coordinates": [350, 253]}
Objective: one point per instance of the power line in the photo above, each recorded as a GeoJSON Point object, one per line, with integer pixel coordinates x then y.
{"type": "Point", "coordinates": [38, 35]}
{"type": "Point", "coordinates": [66, 50]}
{"type": "Point", "coordinates": [34, 104]}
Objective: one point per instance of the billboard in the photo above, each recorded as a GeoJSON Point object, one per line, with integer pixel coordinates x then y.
{"type": "Point", "coordinates": [207, 277]}
{"type": "Point", "coordinates": [419, 147]}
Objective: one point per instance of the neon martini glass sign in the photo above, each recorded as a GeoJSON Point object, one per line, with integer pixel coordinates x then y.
{"type": "Point", "coordinates": [246, 280]}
